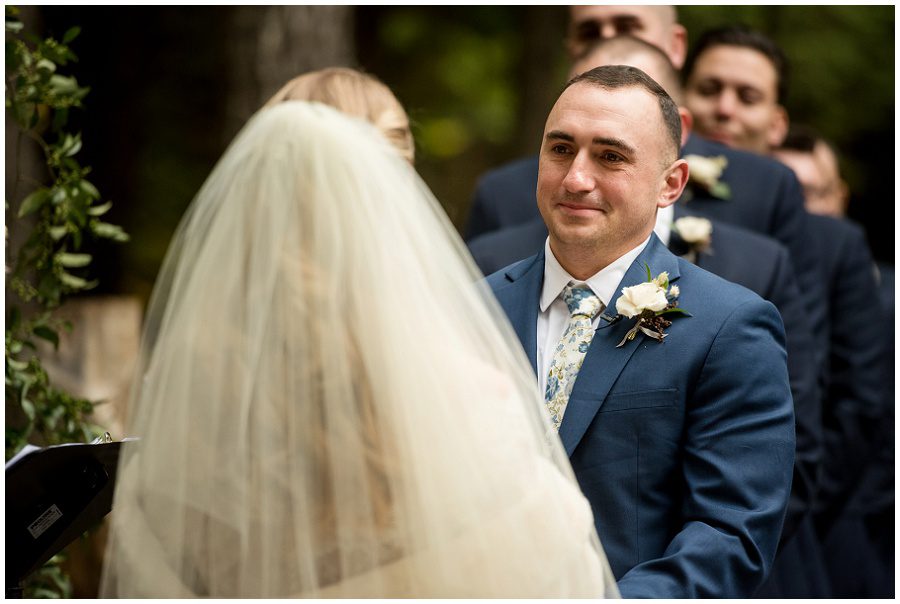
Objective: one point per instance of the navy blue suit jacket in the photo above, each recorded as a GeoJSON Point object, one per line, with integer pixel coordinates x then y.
{"type": "Point", "coordinates": [684, 448]}
{"type": "Point", "coordinates": [766, 197]}
{"type": "Point", "coordinates": [849, 324]}
{"type": "Point", "coordinates": [763, 266]}
{"type": "Point", "coordinates": [504, 197]}
{"type": "Point", "coordinates": [855, 503]}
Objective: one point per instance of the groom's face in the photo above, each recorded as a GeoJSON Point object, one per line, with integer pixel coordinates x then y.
{"type": "Point", "coordinates": [602, 168]}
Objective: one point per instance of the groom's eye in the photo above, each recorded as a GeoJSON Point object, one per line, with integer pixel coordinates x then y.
{"type": "Point", "coordinates": [611, 157]}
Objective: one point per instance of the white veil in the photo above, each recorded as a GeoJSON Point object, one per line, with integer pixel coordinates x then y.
{"type": "Point", "coordinates": [328, 403]}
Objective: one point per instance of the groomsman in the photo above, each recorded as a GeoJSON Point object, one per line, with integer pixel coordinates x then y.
{"type": "Point", "coordinates": [679, 427]}
{"type": "Point", "coordinates": [725, 64]}
{"type": "Point", "coordinates": [735, 84]}
{"type": "Point", "coordinates": [657, 25]}
{"type": "Point", "coordinates": [855, 513]}
{"type": "Point", "coordinates": [824, 190]}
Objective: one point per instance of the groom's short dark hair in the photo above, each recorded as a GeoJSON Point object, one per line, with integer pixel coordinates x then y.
{"type": "Point", "coordinates": [612, 77]}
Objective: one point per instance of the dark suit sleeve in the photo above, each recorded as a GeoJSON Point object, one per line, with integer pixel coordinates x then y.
{"type": "Point", "coordinates": [493, 251]}
{"type": "Point", "coordinates": [803, 371]}
{"type": "Point", "coordinates": [738, 459]}
{"type": "Point", "coordinates": [504, 197]}
{"type": "Point", "coordinates": [482, 218]}
{"type": "Point", "coordinates": [854, 400]}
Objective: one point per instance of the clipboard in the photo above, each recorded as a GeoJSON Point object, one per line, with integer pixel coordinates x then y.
{"type": "Point", "coordinates": [53, 495]}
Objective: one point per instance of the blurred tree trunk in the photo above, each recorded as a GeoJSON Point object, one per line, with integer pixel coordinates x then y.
{"type": "Point", "coordinates": [269, 45]}
{"type": "Point", "coordinates": [542, 71]}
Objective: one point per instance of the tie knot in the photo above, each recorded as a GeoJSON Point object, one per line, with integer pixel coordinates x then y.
{"type": "Point", "coordinates": [581, 301]}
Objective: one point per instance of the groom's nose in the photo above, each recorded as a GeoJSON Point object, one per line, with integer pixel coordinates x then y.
{"type": "Point", "coordinates": [579, 177]}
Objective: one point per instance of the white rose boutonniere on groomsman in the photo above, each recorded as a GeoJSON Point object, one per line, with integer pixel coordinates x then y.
{"type": "Point", "coordinates": [697, 233]}
{"type": "Point", "coordinates": [706, 172]}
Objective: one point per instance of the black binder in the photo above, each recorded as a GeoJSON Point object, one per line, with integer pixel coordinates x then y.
{"type": "Point", "coordinates": [53, 495]}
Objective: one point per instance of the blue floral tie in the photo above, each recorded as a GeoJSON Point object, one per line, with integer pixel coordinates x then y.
{"type": "Point", "coordinates": [569, 354]}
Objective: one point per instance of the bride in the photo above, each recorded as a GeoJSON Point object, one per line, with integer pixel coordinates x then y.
{"type": "Point", "coordinates": [329, 403]}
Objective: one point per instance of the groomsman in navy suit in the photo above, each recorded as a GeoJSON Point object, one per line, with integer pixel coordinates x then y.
{"type": "Point", "coordinates": [734, 87]}
{"type": "Point", "coordinates": [680, 428]}
{"type": "Point", "coordinates": [857, 490]}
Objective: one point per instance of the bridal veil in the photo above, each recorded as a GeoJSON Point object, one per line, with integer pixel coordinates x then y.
{"type": "Point", "coordinates": [328, 402]}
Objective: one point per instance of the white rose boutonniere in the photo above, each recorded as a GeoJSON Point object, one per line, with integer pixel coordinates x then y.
{"type": "Point", "coordinates": [705, 172]}
{"type": "Point", "coordinates": [648, 302]}
{"type": "Point", "coordinates": [638, 298]}
{"type": "Point", "coordinates": [696, 232]}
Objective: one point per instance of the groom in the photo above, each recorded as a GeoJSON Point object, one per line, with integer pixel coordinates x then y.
{"type": "Point", "coordinates": [683, 446]}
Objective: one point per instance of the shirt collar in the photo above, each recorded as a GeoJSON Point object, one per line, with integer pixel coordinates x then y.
{"type": "Point", "coordinates": [603, 283]}
{"type": "Point", "coordinates": [665, 218]}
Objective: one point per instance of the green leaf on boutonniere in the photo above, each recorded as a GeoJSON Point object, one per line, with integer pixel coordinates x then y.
{"type": "Point", "coordinates": [720, 190]}
{"type": "Point", "coordinates": [706, 172]}
{"type": "Point", "coordinates": [674, 309]}
{"type": "Point", "coordinates": [649, 274]}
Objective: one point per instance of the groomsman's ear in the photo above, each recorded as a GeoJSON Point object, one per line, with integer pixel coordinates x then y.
{"type": "Point", "coordinates": [687, 124]}
{"type": "Point", "coordinates": [678, 45]}
{"type": "Point", "coordinates": [674, 179]}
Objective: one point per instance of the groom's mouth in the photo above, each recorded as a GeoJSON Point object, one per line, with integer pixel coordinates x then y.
{"type": "Point", "coordinates": [579, 210]}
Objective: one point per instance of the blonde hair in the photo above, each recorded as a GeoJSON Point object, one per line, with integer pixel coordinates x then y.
{"type": "Point", "coordinates": [357, 94]}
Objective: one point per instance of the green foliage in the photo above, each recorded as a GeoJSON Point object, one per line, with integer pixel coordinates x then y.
{"type": "Point", "coordinates": [49, 581]}
{"type": "Point", "coordinates": [468, 71]}
{"type": "Point", "coordinates": [55, 221]}
{"type": "Point", "coordinates": [45, 414]}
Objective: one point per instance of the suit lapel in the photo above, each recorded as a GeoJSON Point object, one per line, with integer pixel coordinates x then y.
{"type": "Point", "coordinates": [520, 299]}
{"type": "Point", "coordinates": [604, 362]}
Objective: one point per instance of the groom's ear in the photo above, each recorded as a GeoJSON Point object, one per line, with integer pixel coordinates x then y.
{"type": "Point", "coordinates": [673, 182]}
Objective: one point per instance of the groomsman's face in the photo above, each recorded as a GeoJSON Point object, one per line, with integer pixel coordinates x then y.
{"type": "Point", "coordinates": [654, 24]}
{"type": "Point", "coordinates": [606, 164]}
{"type": "Point", "coordinates": [732, 92]}
{"type": "Point", "coordinates": [818, 189]}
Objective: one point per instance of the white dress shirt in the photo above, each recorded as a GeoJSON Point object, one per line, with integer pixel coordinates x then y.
{"type": "Point", "coordinates": [554, 315]}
